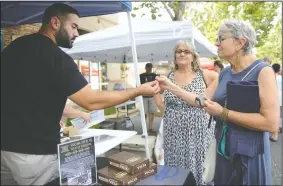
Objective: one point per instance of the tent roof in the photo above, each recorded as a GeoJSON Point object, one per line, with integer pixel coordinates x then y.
{"type": "Point", "coordinates": [154, 42]}
{"type": "Point", "coordinates": [15, 13]}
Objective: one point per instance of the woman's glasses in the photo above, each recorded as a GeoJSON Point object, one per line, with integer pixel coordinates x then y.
{"type": "Point", "coordinates": [186, 52]}
{"type": "Point", "coordinates": [220, 39]}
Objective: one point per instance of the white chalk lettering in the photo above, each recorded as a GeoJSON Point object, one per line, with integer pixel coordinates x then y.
{"type": "Point", "coordinates": [124, 167]}
{"type": "Point", "coordinates": [150, 171]}
{"type": "Point", "coordinates": [114, 164]}
{"type": "Point", "coordinates": [141, 166]}
{"type": "Point", "coordinates": [132, 180]}
{"type": "Point", "coordinates": [113, 182]}
{"type": "Point", "coordinates": [103, 179]}
{"type": "Point", "coordinates": [133, 159]}
{"type": "Point", "coordinates": [120, 174]}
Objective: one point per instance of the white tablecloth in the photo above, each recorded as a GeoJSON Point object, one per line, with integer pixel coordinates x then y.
{"type": "Point", "coordinates": [104, 146]}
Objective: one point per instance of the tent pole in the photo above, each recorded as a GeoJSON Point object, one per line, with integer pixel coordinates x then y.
{"type": "Point", "coordinates": [2, 39]}
{"type": "Point", "coordinates": [135, 60]}
{"type": "Point", "coordinates": [193, 37]}
{"type": "Point", "coordinates": [89, 72]}
{"type": "Point", "coordinates": [99, 76]}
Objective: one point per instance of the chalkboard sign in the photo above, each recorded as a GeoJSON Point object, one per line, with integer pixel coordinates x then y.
{"type": "Point", "coordinates": [77, 162]}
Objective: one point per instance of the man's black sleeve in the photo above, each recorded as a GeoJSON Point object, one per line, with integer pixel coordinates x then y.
{"type": "Point", "coordinates": [69, 78]}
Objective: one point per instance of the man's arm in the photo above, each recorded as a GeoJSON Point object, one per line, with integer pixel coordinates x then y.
{"type": "Point", "coordinates": [70, 112]}
{"type": "Point", "coordinates": [93, 100]}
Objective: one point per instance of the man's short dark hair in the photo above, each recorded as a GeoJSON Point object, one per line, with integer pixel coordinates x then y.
{"type": "Point", "coordinates": [276, 67]}
{"type": "Point", "coordinates": [219, 64]}
{"type": "Point", "coordinates": [148, 65]}
{"type": "Point", "coordinates": [57, 9]}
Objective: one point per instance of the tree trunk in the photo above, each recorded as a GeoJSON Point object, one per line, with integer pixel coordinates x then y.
{"type": "Point", "coordinates": [179, 12]}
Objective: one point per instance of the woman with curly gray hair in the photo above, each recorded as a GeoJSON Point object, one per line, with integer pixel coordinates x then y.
{"type": "Point", "coordinates": [243, 147]}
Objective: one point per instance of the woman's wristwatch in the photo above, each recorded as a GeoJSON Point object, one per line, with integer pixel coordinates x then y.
{"type": "Point", "coordinates": [200, 100]}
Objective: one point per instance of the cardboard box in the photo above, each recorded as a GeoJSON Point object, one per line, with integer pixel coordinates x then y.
{"type": "Point", "coordinates": [151, 170]}
{"type": "Point", "coordinates": [112, 176]}
{"type": "Point", "coordinates": [128, 162]}
{"type": "Point", "coordinates": [70, 131]}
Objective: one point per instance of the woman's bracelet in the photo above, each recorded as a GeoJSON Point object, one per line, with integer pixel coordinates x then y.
{"type": "Point", "coordinates": [224, 114]}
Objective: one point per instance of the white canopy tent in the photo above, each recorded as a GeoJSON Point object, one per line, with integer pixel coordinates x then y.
{"type": "Point", "coordinates": [154, 42]}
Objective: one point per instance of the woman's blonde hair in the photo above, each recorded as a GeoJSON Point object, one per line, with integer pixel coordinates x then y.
{"type": "Point", "coordinates": [195, 63]}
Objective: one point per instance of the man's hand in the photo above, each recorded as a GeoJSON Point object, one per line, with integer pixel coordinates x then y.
{"type": "Point", "coordinates": [150, 88]}
{"type": "Point", "coordinates": [62, 124]}
{"type": "Point", "coordinates": [86, 117]}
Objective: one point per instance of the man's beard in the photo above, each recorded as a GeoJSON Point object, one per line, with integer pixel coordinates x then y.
{"type": "Point", "coordinates": [62, 39]}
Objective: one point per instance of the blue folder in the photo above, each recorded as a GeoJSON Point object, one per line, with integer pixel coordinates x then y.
{"type": "Point", "coordinates": [243, 96]}
{"type": "Point", "coordinates": [167, 175]}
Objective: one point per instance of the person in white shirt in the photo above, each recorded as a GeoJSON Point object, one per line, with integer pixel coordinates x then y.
{"type": "Point", "coordinates": [277, 70]}
{"type": "Point", "coordinates": [70, 112]}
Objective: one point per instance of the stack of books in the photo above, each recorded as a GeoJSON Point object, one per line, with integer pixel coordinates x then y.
{"type": "Point", "coordinates": [126, 169]}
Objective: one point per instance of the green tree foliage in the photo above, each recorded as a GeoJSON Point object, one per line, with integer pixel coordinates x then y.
{"type": "Point", "coordinates": [176, 10]}
{"type": "Point", "coordinates": [259, 14]}
{"type": "Point", "coordinates": [273, 44]}
{"type": "Point", "coordinates": [208, 16]}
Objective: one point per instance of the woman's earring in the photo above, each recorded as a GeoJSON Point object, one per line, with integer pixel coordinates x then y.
{"type": "Point", "coordinates": [175, 64]}
{"type": "Point", "coordinates": [238, 58]}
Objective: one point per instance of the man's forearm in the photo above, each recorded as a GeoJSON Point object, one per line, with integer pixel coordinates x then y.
{"type": "Point", "coordinates": [70, 112]}
{"type": "Point", "coordinates": [105, 99]}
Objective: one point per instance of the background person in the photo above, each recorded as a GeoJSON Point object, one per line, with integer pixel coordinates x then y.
{"type": "Point", "coordinates": [277, 69]}
{"type": "Point", "coordinates": [45, 77]}
{"type": "Point", "coordinates": [150, 107]}
{"type": "Point", "coordinates": [268, 60]}
{"type": "Point", "coordinates": [218, 66]}
{"type": "Point", "coordinates": [70, 112]}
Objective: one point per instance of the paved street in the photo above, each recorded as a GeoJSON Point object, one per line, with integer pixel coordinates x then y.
{"type": "Point", "coordinates": [276, 153]}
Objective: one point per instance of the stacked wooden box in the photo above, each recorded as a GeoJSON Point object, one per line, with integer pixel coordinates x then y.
{"type": "Point", "coordinates": [125, 169]}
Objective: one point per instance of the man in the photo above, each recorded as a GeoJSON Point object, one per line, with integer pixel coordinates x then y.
{"type": "Point", "coordinates": [267, 59]}
{"type": "Point", "coordinates": [218, 66]}
{"type": "Point", "coordinates": [37, 77]}
{"type": "Point", "coordinates": [277, 69]}
{"type": "Point", "coordinates": [150, 107]}
{"type": "Point", "coordinates": [70, 112]}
